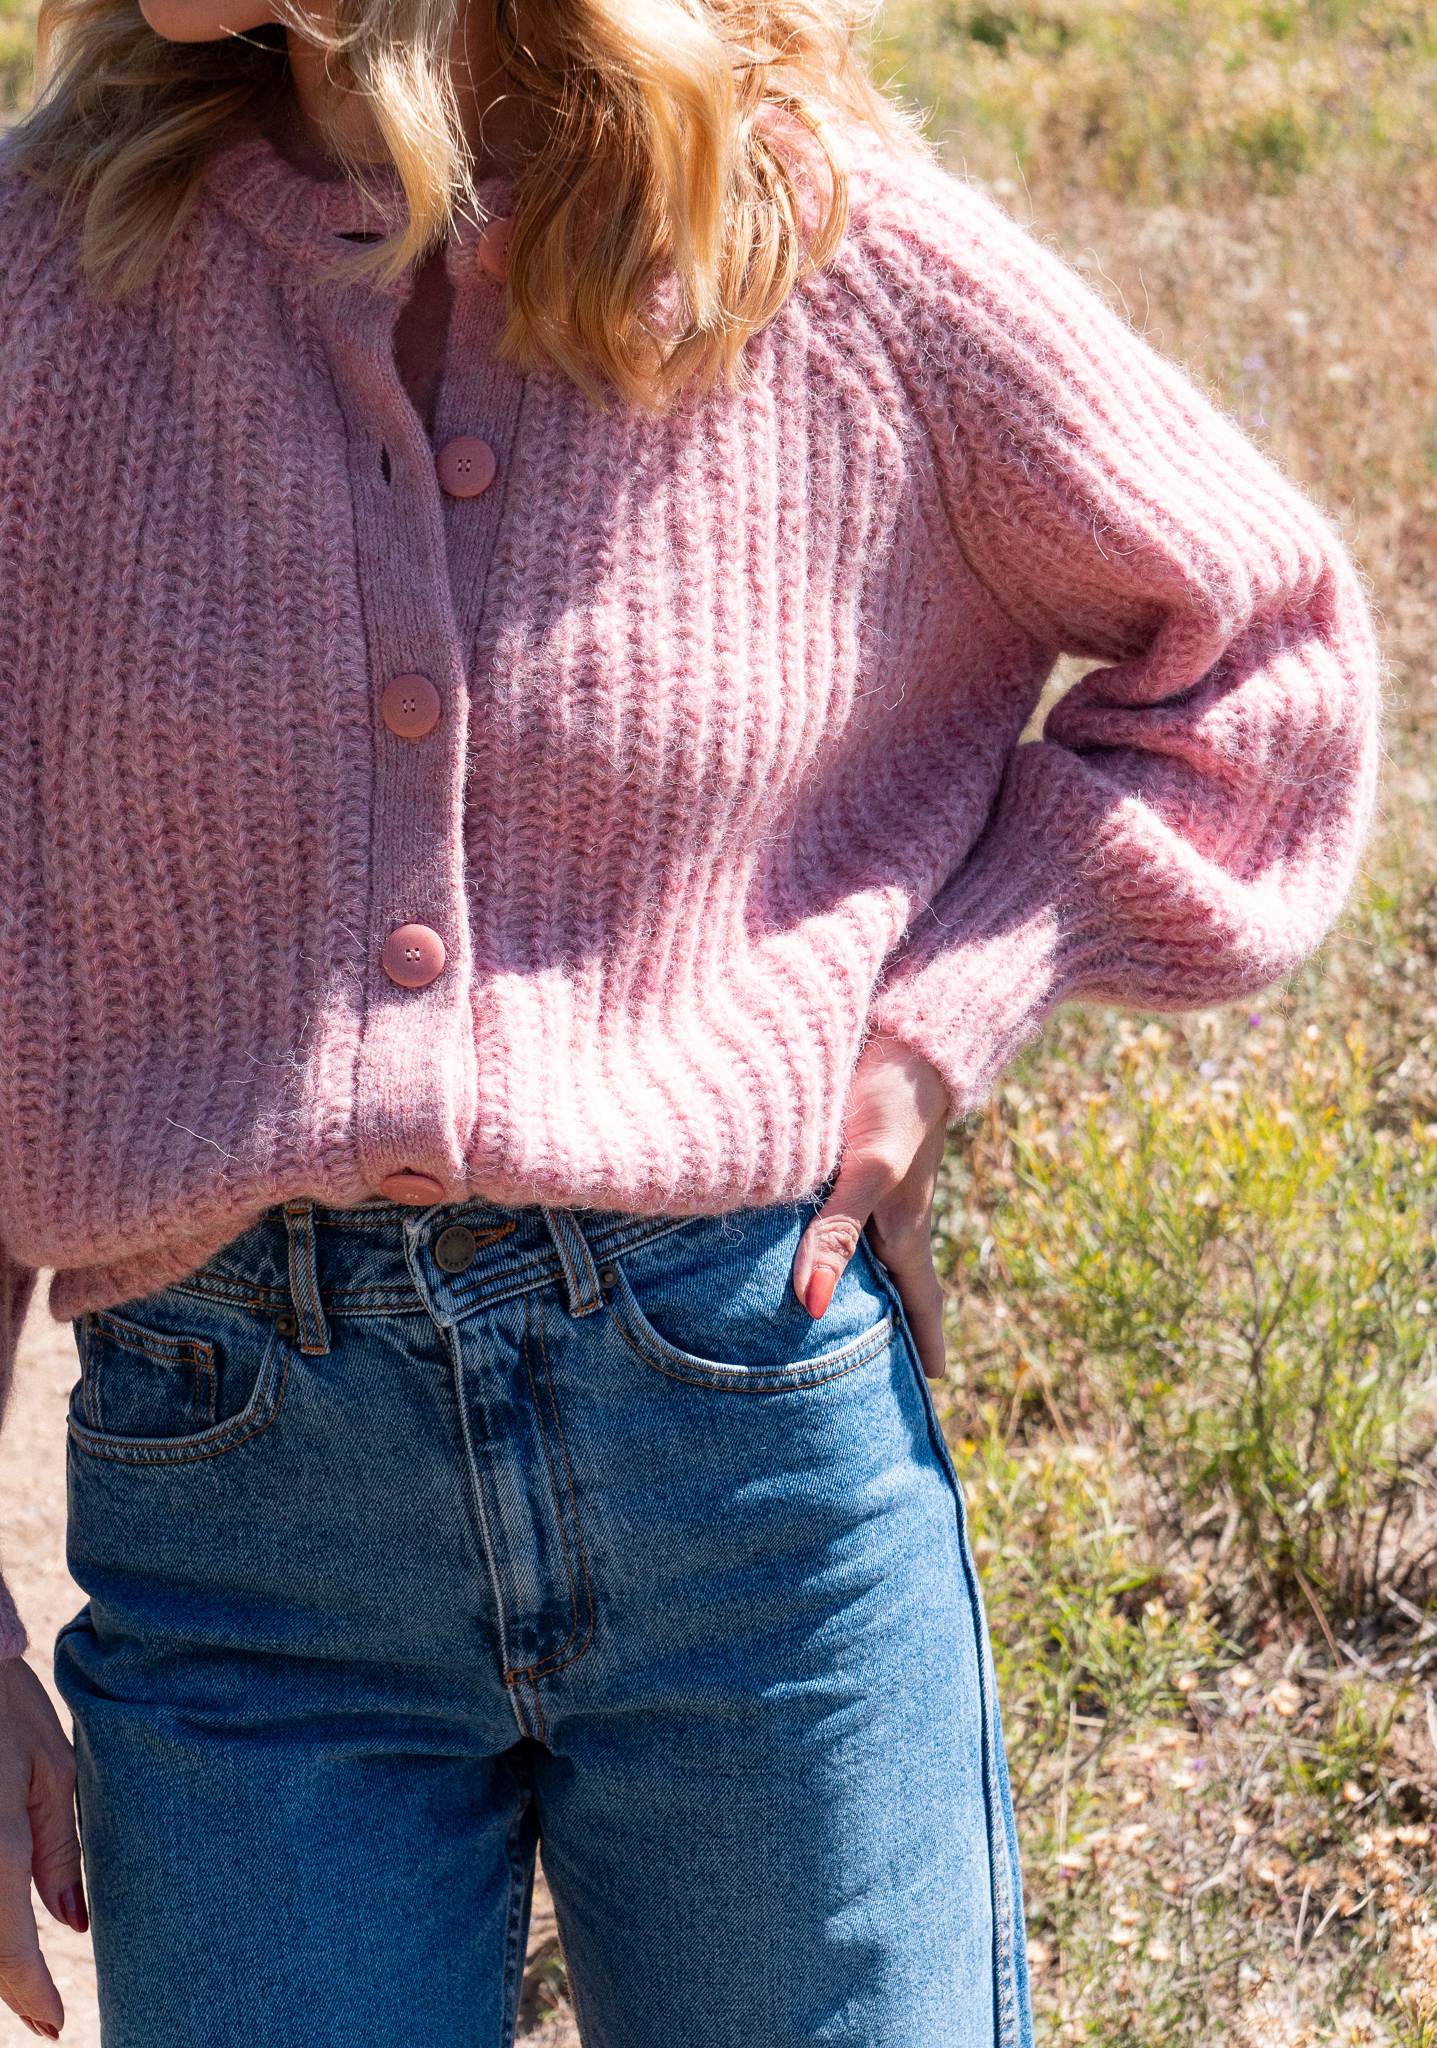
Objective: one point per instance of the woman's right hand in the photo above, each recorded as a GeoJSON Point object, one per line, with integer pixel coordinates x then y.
{"type": "Point", "coordinates": [37, 1839]}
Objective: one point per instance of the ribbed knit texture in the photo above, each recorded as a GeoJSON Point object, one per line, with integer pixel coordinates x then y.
{"type": "Point", "coordinates": [728, 772]}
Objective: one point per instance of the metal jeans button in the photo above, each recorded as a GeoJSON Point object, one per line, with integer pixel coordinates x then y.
{"type": "Point", "coordinates": [455, 1249]}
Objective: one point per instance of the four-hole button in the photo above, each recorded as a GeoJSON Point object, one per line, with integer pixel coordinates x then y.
{"type": "Point", "coordinates": [413, 956]}
{"type": "Point", "coordinates": [466, 466]}
{"type": "Point", "coordinates": [410, 707]}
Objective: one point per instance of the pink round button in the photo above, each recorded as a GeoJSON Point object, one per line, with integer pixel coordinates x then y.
{"type": "Point", "coordinates": [466, 467]}
{"type": "Point", "coordinates": [418, 1189]}
{"type": "Point", "coordinates": [413, 956]}
{"type": "Point", "coordinates": [410, 707]}
{"type": "Point", "coordinates": [494, 240]}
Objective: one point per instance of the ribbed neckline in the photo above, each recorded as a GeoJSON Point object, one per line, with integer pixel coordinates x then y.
{"type": "Point", "coordinates": [305, 219]}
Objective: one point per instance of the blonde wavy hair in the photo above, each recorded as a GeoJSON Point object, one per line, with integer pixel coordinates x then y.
{"type": "Point", "coordinates": [686, 155]}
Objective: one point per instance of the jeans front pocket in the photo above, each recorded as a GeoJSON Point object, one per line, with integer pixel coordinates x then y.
{"type": "Point", "coordinates": [159, 1396]}
{"type": "Point", "coordinates": [713, 1304]}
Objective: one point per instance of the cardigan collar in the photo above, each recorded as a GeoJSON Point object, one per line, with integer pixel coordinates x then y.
{"type": "Point", "coordinates": [307, 220]}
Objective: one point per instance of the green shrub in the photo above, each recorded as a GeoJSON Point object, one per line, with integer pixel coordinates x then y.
{"type": "Point", "coordinates": [1083, 1635]}
{"type": "Point", "coordinates": [1244, 1267]}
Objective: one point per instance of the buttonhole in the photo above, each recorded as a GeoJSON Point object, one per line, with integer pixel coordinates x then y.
{"type": "Point", "coordinates": [386, 468]}
{"type": "Point", "coordinates": [360, 235]}
{"type": "Point", "coordinates": [286, 1324]}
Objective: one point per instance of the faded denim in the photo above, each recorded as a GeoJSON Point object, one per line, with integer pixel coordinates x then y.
{"type": "Point", "coordinates": [394, 1570]}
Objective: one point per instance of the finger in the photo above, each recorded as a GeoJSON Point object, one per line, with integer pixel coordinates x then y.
{"type": "Point", "coordinates": [909, 1259]}
{"type": "Point", "coordinates": [901, 1233]}
{"type": "Point", "coordinates": [56, 1846]}
{"type": "Point", "coordinates": [26, 1985]}
{"type": "Point", "coordinates": [832, 1238]}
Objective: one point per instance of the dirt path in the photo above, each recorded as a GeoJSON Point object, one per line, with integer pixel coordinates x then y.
{"type": "Point", "coordinates": [32, 1547]}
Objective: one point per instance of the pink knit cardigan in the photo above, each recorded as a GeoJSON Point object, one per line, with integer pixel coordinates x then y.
{"type": "Point", "coordinates": [728, 770]}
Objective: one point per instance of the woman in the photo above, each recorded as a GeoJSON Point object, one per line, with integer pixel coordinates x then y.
{"type": "Point", "coordinates": [531, 537]}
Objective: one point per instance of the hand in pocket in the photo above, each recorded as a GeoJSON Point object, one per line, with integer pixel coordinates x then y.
{"type": "Point", "coordinates": [894, 1123]}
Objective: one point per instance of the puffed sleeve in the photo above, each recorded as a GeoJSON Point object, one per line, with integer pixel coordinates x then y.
{"type": "Point", "coordinates": [1188, 827]}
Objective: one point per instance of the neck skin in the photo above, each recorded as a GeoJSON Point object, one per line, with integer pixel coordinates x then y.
{"type": "Point", "coordinates": [499, 128]}
{"type": "Point", "coordinates": [498, 125]}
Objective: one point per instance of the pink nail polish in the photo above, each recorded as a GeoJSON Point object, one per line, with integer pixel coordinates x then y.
{"type": "Point", "coordinates": [820, 1292]}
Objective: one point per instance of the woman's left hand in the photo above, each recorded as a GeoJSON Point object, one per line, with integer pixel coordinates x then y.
{"type": "Point", "coordinates": [893, 1126]}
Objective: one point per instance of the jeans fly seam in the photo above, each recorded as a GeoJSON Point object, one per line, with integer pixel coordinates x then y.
{"type": "Point", "coordinates": [557, 1661]}
{"type": "Point", "coordinates": [476, 1478]}
{"type": "Point", "coordinates": [513, 1680]}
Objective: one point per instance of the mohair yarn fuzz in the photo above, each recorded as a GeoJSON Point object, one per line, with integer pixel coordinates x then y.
{"type": "Point", "coordinates": [728, 772]}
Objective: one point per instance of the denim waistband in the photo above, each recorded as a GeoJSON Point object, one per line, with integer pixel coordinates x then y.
{"type": "Point", "coordinates": [382, 1259]}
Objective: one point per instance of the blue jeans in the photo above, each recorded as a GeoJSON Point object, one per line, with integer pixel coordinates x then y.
{"type": "Point", "coordinates": [413, 1538]}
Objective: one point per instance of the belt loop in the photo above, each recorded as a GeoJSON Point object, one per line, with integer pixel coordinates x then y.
{"type": "Point", "coordinates": [304, 1279]}
{"type": "Point", "coordinates": [580, 1280]}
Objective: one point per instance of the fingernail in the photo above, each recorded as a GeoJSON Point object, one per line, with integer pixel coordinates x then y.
{"type": "Point", "coordinates": [934, 1372]}
{"type": "Point", "coordinates": [72, 1908]}
{"type": "Point", "coordinates": [820, 1291]}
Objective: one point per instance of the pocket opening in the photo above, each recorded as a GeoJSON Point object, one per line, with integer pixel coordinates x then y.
{"type": "Point", "coordinates": [657, 1352]}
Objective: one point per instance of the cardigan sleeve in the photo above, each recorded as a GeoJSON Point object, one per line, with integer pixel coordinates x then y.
{"type": "Point", "coordinates": [17, 1283]}
{"type": "Point", "coordinates": [1189, 825]}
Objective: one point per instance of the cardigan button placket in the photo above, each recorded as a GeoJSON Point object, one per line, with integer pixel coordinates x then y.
{"type": "Point", "coordinates": [425, 527]}
{"type": "Point", "coordinates": [414, 1076]}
